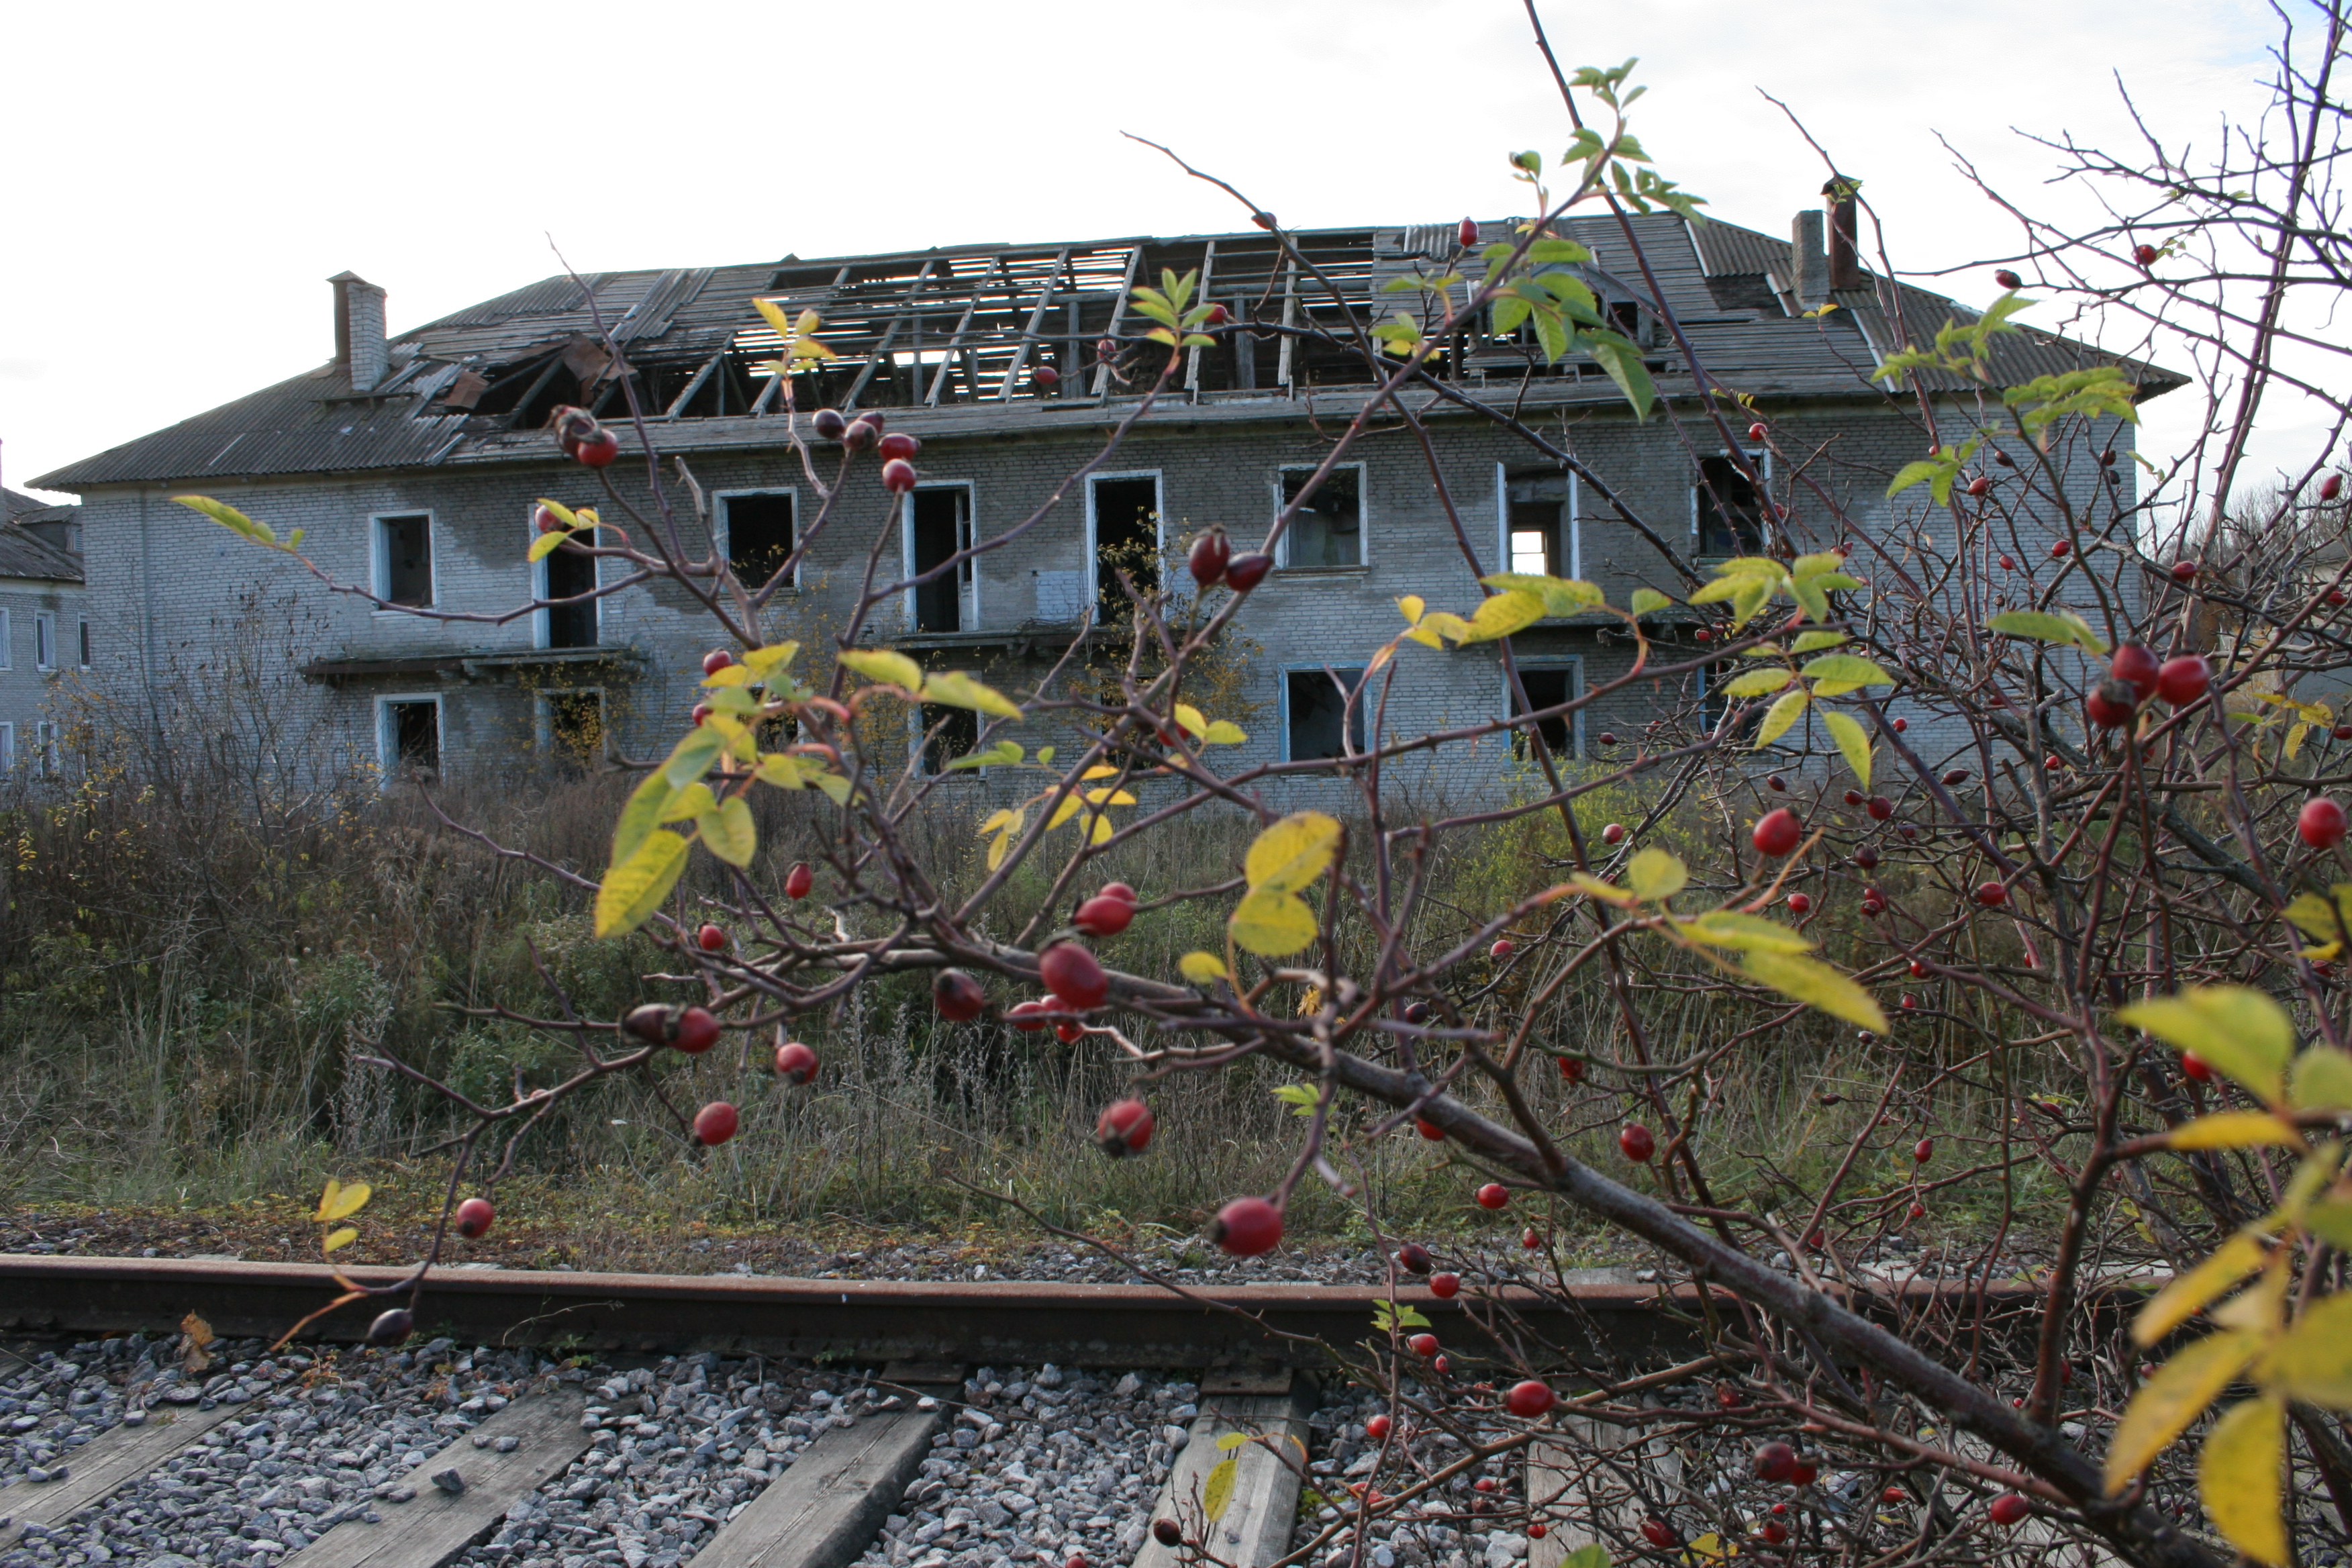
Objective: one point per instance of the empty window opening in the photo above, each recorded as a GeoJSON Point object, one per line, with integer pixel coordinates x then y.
{"type": "Point", "coordinates": [1316, 705]}
{"type": "Point", "coordinates": [83, 628]}
{"type": "Point", "coordinates": [1328, 530]}
{"type": "Point", "coordinates": [48, 761]}
{"type": "Point", "coordinates": [1543, 542]}
{"type": "Point", "coordinates": [940, 521]}
{"type": "Point", "coordinates": [8, 747]}
{"type": "Point", "coordinates": [759, 529]}
{"type": "Point", "coordinates": [1730, 513]}
{"type": "Point", "coordinates": [1127, 539]}
{"type": "Point", "coordinates": [1546, 686]}
{"type": "Point", "coordinates": [575, 725]}
{"type": "Point", "coordinates": [404, 547]}
{"type": "Point", "coordinates": [570, 572]}
{"type": "Point", "coordinates": [412, 735]}
{"type": "Point", "coordinates": [45, 641]}
{"type": "Point", "coordinates": [948, 733]}
{"type": "Point", "coordinates": [6, 656]}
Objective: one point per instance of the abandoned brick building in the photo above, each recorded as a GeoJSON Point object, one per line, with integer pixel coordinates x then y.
{"type": "Point", "coordinates": [45, 630]}
{"type": "Point", "coordinates": [413, 462]}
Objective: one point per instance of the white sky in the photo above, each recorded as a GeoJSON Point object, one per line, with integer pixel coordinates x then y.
{"type": "Point", "coordinates": [177, 181]}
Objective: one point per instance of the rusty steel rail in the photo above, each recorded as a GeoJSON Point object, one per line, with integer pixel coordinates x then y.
{"type": "Point", "coordinates": [974, 1321]}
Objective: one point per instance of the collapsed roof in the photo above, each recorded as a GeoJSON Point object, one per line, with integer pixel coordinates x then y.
{"type": "Point", "coordinates": [986, 337]}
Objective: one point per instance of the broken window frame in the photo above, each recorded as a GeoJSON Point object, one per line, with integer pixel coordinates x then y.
{"type": "Point", "coordinates": [549, 737]}
{"type": "Point", "coordinates": [967, 572]}
{"type": "Point", "coordinates": [390, 768]}
{"type": "Point", "coordinates": [1572, 519]}
{"type": "Point", "coordinates": [723, 533]}
{"type": "Point", "coordinates": [380, 576]}
{"type": "Point", "coordinates": [1545, 664]}
{"type": "Point", "coordinates": [1357, 722]}
{"type": "Point", "coordinates": [1096, 584]}
{"type": "Point", "coordinates": [1282, 561]}
{"type": "Point", "coordinates": [48, 761]}
{"type": "Point", "coordinates": [543, 619]}
{"type": "Point", "coordinates": [1759, 459]}
{"type": "Point", "coordinates": [927, 751]}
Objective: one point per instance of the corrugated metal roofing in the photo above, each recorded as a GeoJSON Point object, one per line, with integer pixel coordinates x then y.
{"type": "Point", "coordinates": [959, 332]}
{"type": "Point", "coordinates": [25, 554]}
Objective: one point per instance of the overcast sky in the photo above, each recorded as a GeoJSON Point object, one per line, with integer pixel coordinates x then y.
{"type": "Point", "coordinates": [180, 181]}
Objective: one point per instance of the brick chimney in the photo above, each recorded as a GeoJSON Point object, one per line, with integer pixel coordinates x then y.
{"type": "Point", "coordinates": [1810, 283]}
{"type": "Point", "coordinates": [359, 330]}
{"type": "Point", "coordinates": [1845, 258]}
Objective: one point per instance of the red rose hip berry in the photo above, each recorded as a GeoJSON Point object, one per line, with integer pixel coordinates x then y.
{"type": "Point", "coordinates": [474, 1217]}
{"type": "Point", "coordinates": [1777, 833]}
{"type": "Point", "coordinates": [899, 444]}
{"type": "Point", "coordinates": [2184, 679]}
{"type": "Point", "coordinates": [1775, 1462]}
{"type": "Point", "coordinates": [1413, 1258]}
{"type": "Point", "coordinates": [2320, 823]}
{"type": "Point", "coordinates": [1124, 1127]}
{"type": "Point", "coordinates": [1493, 1195]}
{"type": "Point", "coordinates": [698, 1031]}
{"type": "Point", "coordinates": [710, 939]}
{"type": "Point", "coordinates": [957, 996]}
{"type": "Point", "coordinates": [715, 1123]}
{"type": "Point", "coordinates": [1103, 915]}
{"type": "Point", "coordinates": [796, 1063]}
{"type": "Point", "coordinates": [1247, 1227]}
{"type": "Point", "coordinates": [2134, 665]}
{"type": "Point", "coordinates": [1529, 1399]}
{"type": "Point", "coordinates": [2009, 1508]}
{"type": "Point", "coordinates": [1445, 1287]}
{"type": "Point", "coordinates": [2112, 704]}
{"type": "Point", "coordinates": [1637, 1143]}
{"type": "Point", "coordinates": [1243, 573]}
{"type": "Point", "coordinates": [798, 881]}
{"type": "Point", "coordinates": [1071, 974]}
{"type": "Point", "coordinates": [1209, 556]}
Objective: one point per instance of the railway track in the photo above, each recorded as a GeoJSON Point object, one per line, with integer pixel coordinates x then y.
{"type": "Point", "coordinates": [569, 1420]}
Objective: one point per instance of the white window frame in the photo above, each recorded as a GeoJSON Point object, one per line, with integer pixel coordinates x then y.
{"type": "Point", "coordinates": [1159, 528]}
{"type": "Point", "coordinates": [971, 489]}
{"type": "Point", "coordinates": [7, 642]}
{"type": "Point", "coordinates": [1363, 517]}
{"type": "Point", "coordinates": [379, 559]}
{"type": "Point", "coordinates": [1363, 674]}
{"type": "Point", "coordinates": [1761, 459]}
{"type": "Point", "coordinates": [539, 628]}
{"type": "Point", "coordinates": [387, 746]}
{"type": "Point", "coordinates": [44, 640]}
{"type": "Point", "coordinates": [7, 746]}
{"type": "Point", "coordinates": [1575, 519]}
{"type": "Point", "coordinates": [721, 537]}
{"type": "Point", "coordinates": [47, 763]}
{"type": "Point", "coordinates": [1569, 661]}
{"type": "Point", "coordinates": [81, 642]}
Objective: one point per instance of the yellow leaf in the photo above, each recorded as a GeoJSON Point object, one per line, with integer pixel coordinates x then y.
{"type": "Point", "coordinates": [882, 665]}
{"type": "Point", "coordinates": [763, 661]}
{"type": "Point", "coordinates": [1606, 892]}
{"type": "Point", "coordinates": [1005, 817]}
{"type": "Point", "coordinates": [1852, 743]}
{"type": "Point", "coordinates": [775, 316]}
{"type": "Point", "coordinates": [786, 773]}
{"type": "Point", "coordinates": [729, 675]}
{"type": "Point", "coordinates": [228, 517]}
{"type": "Point", "coordinates": [1272, 923]}
{"type": "Point", "coordinates": [2331, 1222]}
{"type": "Point", "coordinates": [1217, 1491]}
{"type": "Point", "coordinates": [1411, 605]}
{"type": "Point", "coordinates": [835, 787]}
{"type": "Point", "coordinates": [695, 800]}
{"type": "Point", "coordinates": [545, 545]}
{"type": "Point", "coordinates": [2321, 1081]}
{"type": "Point", "coordinates": [1848, 670]}
{"type": "Point", "coordinates": [1440, 623]}
{"type": "Point", "coordinates": [1816, 984]}
{"type": "Point", "coordinates": [564, 514]}
{"type": "Point", "coordinates": [1757, 682]}
{"type": "Point", "coordinates": [645, 805]}
{"type": "Point", "coordinates": [634, 890]}
{"type": "Point", "coordinates": [2324, 953]}
{"type": "Point", "coordinates": [1779, 717]}
{"type": "Point", "coordinates": [1225, 733]}
{"type": "Point", "coordinates": [2236, 1030]}
{"type": "Point", "coordinates": [1071, 806]}
{"type": "Point", "coordinates": [1292, 854]}
{"type": "Point", "coordinates": [2188, 1293]}
{"type": "Point", "coordinates": [1202, 968]}
{"type": "Point", "coordinates": [1748, 933]}
{"type": "Point", "coordinates": [998, 848]}
{"type": "Point", "coordinates": [957, 689]}
{"type": "Point", "coordinates": [1190, 716]}
{"type": "Point", "coordinates": [2261, 1308]}
{"type": "Point", "coordinates": [2238, 1478]}
{"type": "Point", "coordinates": [2232, 1129]}
{"type": "Point", "coordinates": [1107, 796]}
{"type": "Point", "coordinates": [1654, 874]}
{"type": "Point", "coordinates": [341, 1202]}
{"type": "Point", "coordinates": [727, 832]}
{"type": "Point", "coordinates": [2313, 1359]}
{"type": "Point", "coordinates": [1504, 614]}
{"type": "Point", "coordinates": [2167, 1402]}
{"type": "Point", "coordinates": [1099, 771]}
{"type": "Point", "coordinates": [339, 1239]}
{"type": "Point", "coordinates": [1103, 831]}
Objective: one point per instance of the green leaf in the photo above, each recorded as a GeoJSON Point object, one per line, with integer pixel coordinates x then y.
{"type": "Point", "coordinates": [1817, 986]}
{"type": "Point", "coordinates": [2313, 1359]}
{"type": "Point", "coordinates": [1853, 742]}
{"type": "Point", "coordinates": [2192, 1293]}
{"type": "Point", "coordinates": [2045, 627]}
{"type": "Point", "coordinates": [635, 889]}
{"type": "Point", "coordinates": [2238, 1478]}
{"type": "Point", "coordinates": [727, 832]}
{"type": "Point", "coordinates": [1747, 933]}
{"type": "Point", "coordinates": [1292, 854]}
{"type": "Point", "coordinates": [2238, 1031]}
{"type": "Point", "coordinates": [638, 817]}
{"type": "Point", "coordinates": [2232, 1129]}
{"type": "Point", "coordinates": [1592, 1555]}
{"type": "Point", "coordinates": [1301, 1099]}
{"type": "Point", "coordinates": [228, 517]}
{"type": "Point", "coordinates": [1500, 615]}
{"type": "Point", "coordinates": [880, 664]}
{"type": "Point", "coordinates": [2175, 1395]}
{"type": "Point", "coordinates": [1272, 923]}
{"type": "Point", "coordinates": [1623, 361]}
{"type": "Point", "coordinates": [1848, 669]}
{"type": "Point", "coordinates": [1757, 682]}
{"type": "Point", "coordinates": [1645, 600]}
{"type": "Point", "coordinates": [957, 689]}
{"type": "Point", "coordinates": [2331, 1221]}
{"type": "Point", "coordinates": [1232, 1441]}
{"type": "Point", "coordinates": [1002, 753]}
{"type": "Point", "coordinates": [1561, 596]}
{"type": "Point", "coordinates": [835, 787]}
{"type": "Point", "coordinates": [1202, 968]}
{"type": "Point", "coordinates": [1925, 468]}
{"type": "Point", "coordinates": [1654, 874]}
{"type": "Point", "coordinates": [691, 757]}
{"type": "Point", "coordinates": [546, 544]}
{"type": "Point", "coordinates": [694, 800]}
{"type": "Point", "coordinates": [2321, 1081]}
{"type": "Point", "coordinates": [1217, 1491]}
{"type": "Point", "coordinates": [1779, 717]}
